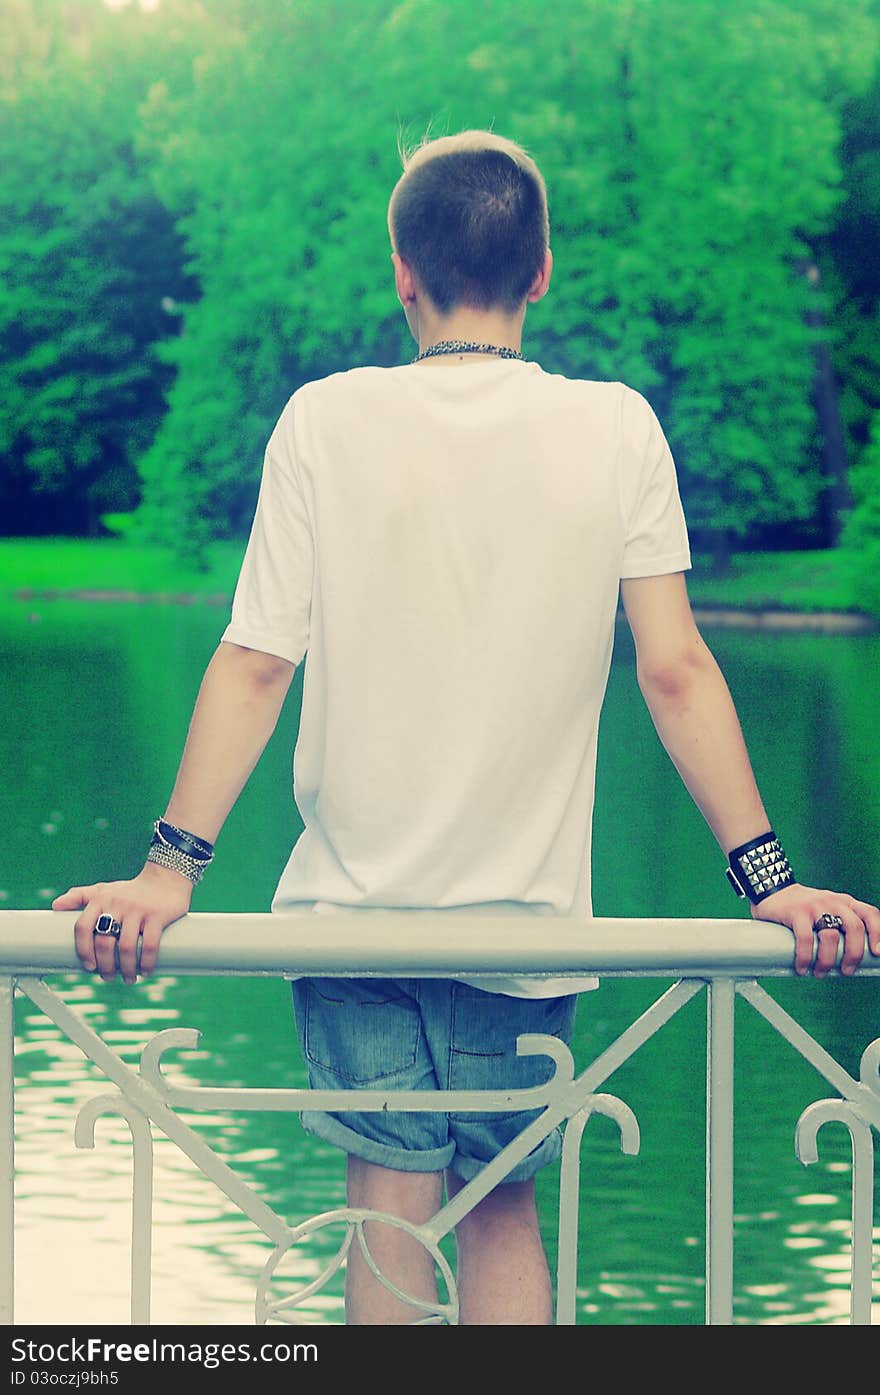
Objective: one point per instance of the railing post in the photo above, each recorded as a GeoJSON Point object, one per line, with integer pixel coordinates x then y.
{"type": "Point", "coordinates": [7, 1150]}
{"type": "Point", "coordinates": [719, 1153]}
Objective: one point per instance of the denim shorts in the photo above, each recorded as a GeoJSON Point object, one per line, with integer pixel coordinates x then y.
{"type": "Point", "coordinates": [425, 1034]}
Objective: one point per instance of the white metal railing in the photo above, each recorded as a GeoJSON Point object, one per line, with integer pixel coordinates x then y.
{"type": "Point", "coordinates": [723, 957]}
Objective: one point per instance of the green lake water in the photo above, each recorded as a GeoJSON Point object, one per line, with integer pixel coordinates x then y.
{"type": "Point", "coordinates": [95, 702]}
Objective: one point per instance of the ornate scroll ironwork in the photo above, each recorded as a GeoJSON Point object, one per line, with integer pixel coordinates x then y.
{"type": "Point", "coordinates": [145, 1095]}
{"type": "Point", "coordinates": [857, 1111]}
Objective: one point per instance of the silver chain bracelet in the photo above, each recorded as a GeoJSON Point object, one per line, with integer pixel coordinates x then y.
{"type": "Point", "coordinates": [166, 856]}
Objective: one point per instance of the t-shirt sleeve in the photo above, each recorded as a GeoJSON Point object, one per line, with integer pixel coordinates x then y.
{"type": "Point", "coordinates": [272, 601]}
{"type": "Point", "coordinates": [655, 533]}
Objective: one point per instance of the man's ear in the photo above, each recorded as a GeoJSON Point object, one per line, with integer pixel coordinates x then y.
{"type": "Point", "coordinates": [541, 283]}
{"type": "Point", "coordinates": [404, 280]}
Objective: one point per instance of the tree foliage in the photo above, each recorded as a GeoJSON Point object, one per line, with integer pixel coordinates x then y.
{"type": "Point", "coordinates": [88, 258]}
{"type": "Point", "coordinates": [862, 535]}
{"type": "Point", "coordinates": [693, 157]}
{"type": "Point", "coordinates": [851, 267]}
{"type": "Point", "coordinates": [691, 154]}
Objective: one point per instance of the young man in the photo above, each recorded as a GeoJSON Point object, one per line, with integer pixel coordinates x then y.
{"type": "Point", "coordinates": [448, 540]}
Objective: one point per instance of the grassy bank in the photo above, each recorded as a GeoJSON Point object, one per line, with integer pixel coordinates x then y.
{"type": "Point", "coordinates": [800, 581]}
{"type": "Point", "coordinates": [74, 564]}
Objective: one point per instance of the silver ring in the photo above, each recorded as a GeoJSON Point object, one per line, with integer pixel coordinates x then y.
{"type": "Point", "coordinates": [106, 925]}
{"type": "Point", "coordinates": [828, 922]}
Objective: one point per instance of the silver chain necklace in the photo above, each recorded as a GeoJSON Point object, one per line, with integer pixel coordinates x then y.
{"type": "Point", "coordinates": [465, 346]}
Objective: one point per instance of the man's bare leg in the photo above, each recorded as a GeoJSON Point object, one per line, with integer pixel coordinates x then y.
{"type": "Point", "coordinates": [414, 1196]}
{"type": "Point", "coordinates": [503, 1275]}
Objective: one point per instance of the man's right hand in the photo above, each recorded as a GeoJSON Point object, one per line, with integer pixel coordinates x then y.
{"type": "Point", "coordinates": [143, 906]}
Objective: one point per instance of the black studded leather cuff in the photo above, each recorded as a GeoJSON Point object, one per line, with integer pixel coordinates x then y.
{"type": "Point", "coordinates": [759, 867]}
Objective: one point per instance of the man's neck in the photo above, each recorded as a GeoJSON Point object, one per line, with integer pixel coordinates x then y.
{"type": "Point", "coordinates": [469, 326]}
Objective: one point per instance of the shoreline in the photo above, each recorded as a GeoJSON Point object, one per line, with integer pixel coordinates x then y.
{"type": "Point", "coordinates": [821, 621]}
{"type": "Point", "coordinates": [731, 617]}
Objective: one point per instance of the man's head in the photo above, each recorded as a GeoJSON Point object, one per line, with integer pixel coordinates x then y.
{"type": "Point", "coordinates": [469, 217]}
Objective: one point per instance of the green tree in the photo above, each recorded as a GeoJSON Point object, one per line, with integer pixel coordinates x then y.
{"type": "Point", "coordinates": [276, 170]}
{"type": "Point", "coordinates": [861, 537]}
{"type": "Point", "coordinates": [850, 269]}
{"type": "Point", "coordinates": [90, 269]}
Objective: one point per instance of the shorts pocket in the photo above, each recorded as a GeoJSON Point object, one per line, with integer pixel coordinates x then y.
{"type": "Point", "coordinates": [358, 1031]}
{"type": "Point", "coordinates": [485, 1027]}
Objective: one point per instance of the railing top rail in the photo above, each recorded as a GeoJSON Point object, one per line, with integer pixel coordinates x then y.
{"type": "Point", "coordinates": [428, 944]}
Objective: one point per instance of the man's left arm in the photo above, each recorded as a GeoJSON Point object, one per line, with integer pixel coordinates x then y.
{"type": "Point", "coordinates": [695, 718]}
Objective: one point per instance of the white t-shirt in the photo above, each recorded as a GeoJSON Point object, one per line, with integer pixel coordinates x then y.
{"type": "Point", "coordinates": [447, 542]}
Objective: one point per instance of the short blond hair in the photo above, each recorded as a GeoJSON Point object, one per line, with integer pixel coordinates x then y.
{"type": "Point", "coordinates": [469, 213]}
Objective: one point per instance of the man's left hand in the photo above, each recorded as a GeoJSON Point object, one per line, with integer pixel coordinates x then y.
{"type": "Point", "coordinates": [801, 907]}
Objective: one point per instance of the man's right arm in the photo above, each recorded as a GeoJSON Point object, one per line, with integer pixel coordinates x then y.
{"type": "Point", "coordinates": [239, 701]}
